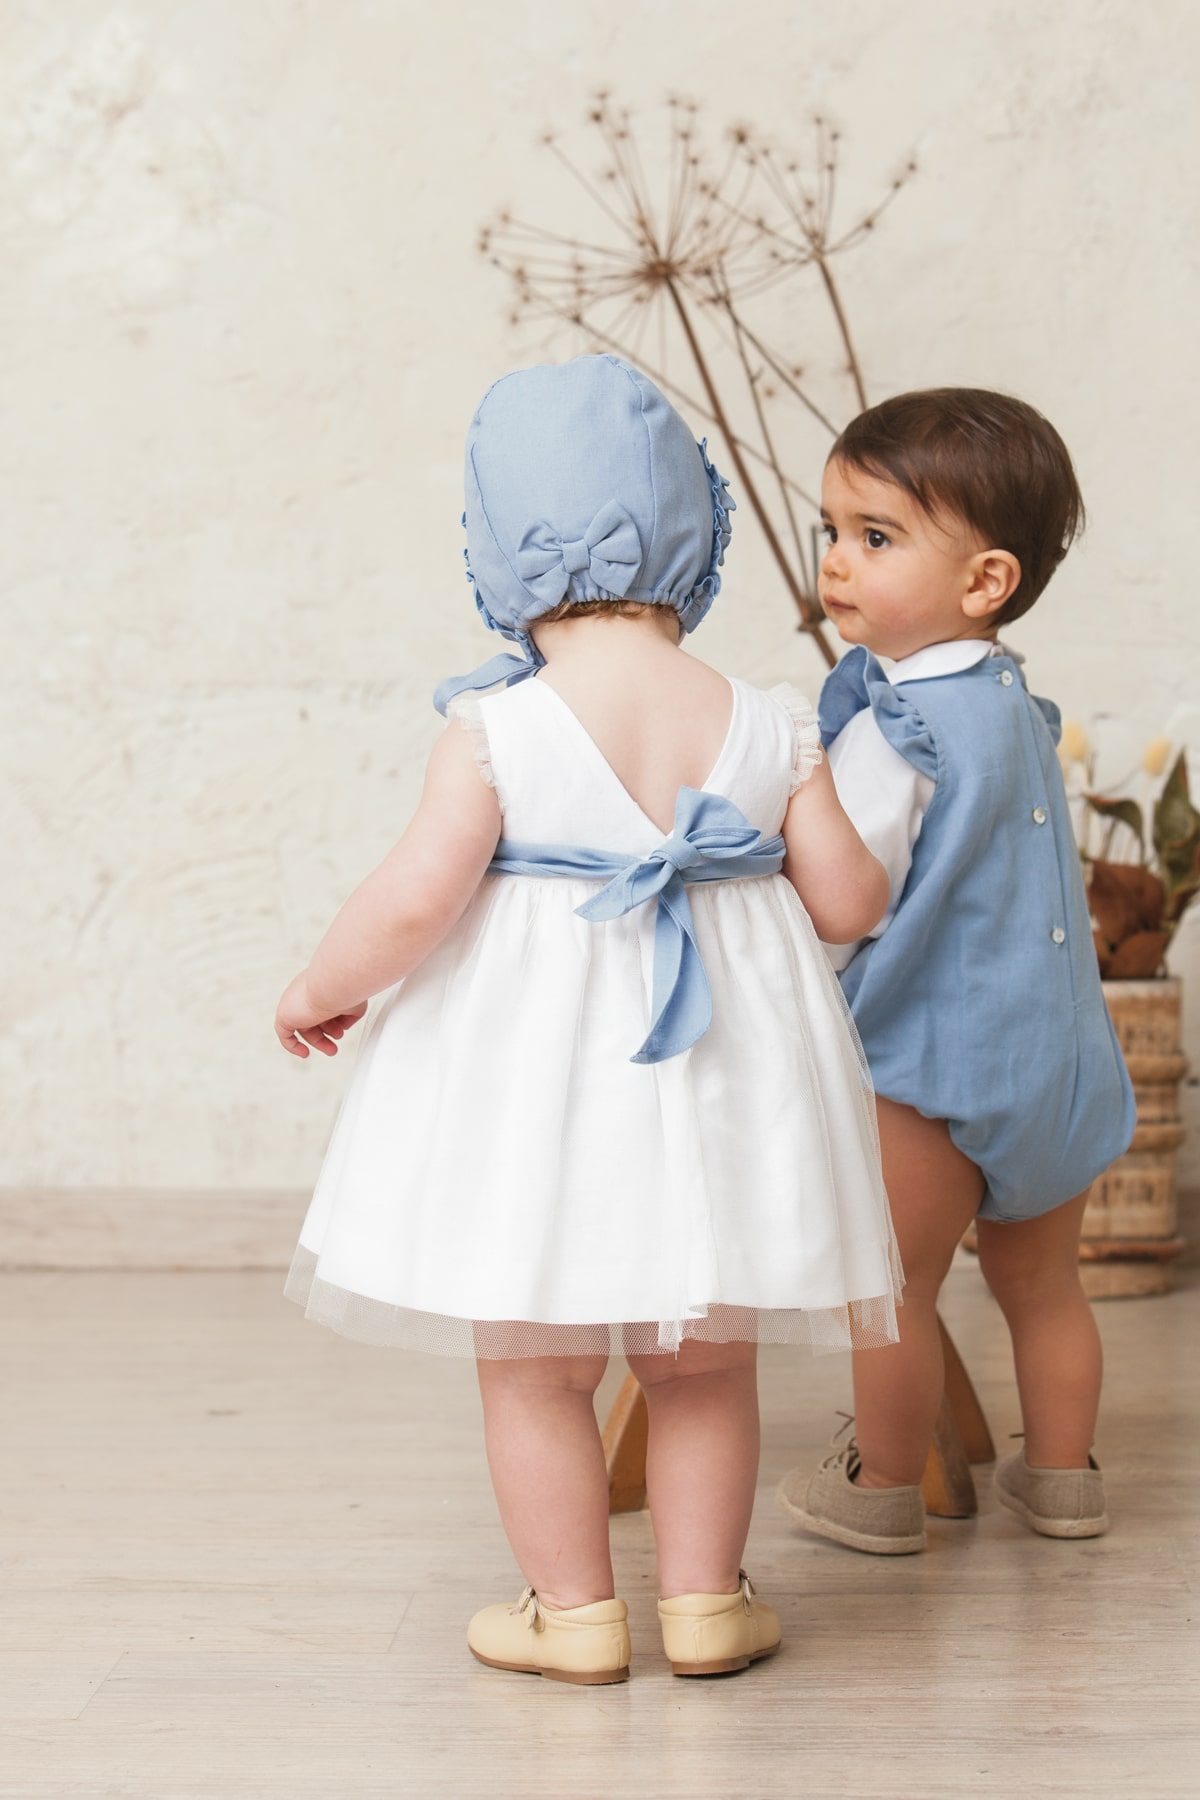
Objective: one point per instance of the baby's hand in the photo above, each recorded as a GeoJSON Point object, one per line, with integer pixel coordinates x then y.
{"type": "Point", "coordinates": [298, 1023]}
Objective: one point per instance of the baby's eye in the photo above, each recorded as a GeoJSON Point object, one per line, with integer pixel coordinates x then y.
{"type": "Point", "coordinates": [829, 533]}
{"type": "Point", "coordinates": [876, 540]}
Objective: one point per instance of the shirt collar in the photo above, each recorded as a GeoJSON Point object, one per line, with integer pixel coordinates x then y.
{"type": "Point", "coordinates": [950, 658]}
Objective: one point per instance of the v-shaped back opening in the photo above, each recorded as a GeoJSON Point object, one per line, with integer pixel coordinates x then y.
{"type": "Point", "coordinates": [601, 759]}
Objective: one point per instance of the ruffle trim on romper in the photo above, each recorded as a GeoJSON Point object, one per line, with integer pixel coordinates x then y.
{"type": "Point", "coordinates": [859, 681]}
{"type": "Point", "coordinates": [807, 752]}
{"type": "Point", "coordinates": [469, 714]}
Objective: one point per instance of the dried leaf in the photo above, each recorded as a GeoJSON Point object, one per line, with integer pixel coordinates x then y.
{"type": "Point", "coordinates": [1176, 825]}
{"type": "Point", "coordinates": [1179, 863]}
{"type": "Point", "coordinates": [1124, 899]}
{"type": "Point", "coordinates": [1138, 958]}
{"type": "Point", "coordinates": [1127, 811]}
{"type": "Point", "coordinates": [1180, 894]}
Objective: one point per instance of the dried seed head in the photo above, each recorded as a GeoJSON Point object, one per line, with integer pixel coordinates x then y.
{"type": "Point", "coordinates": [1074, 746]}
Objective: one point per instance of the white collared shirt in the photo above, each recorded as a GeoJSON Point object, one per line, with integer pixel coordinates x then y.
{"type": "Point", "coordinates": [885, 797]}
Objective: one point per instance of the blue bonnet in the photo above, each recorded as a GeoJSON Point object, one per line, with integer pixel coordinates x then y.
{"type": "Point", "coordinates": [583, 483]}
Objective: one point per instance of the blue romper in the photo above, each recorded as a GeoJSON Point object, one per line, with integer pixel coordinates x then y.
{"type": "Point", "coordinates": [981, 1003]}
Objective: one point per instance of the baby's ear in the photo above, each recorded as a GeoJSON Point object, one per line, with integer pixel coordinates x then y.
{"type": "Point", "coordinates": [993, 579]}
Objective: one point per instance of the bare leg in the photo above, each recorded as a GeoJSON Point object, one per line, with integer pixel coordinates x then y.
{"type": "Point", "coordinates": [701, 1462]}
{"type": "Point", "coordinates": [934, 1191]}
{"type": "Point", "coordinates": [547, 1466]}
{"type": "Point", "coordinates": [1033, 1270]}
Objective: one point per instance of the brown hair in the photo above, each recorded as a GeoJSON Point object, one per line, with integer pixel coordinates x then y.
{"type": "Point", "coordinates": [598, 609]}
{"type": "Point", "coordinates": [990, 460]}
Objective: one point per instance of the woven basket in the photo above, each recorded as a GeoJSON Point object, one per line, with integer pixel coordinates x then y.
{"type": "Point", "coordinates": [1131, 1223]}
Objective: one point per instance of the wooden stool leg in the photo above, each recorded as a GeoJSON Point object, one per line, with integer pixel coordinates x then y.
{"type": "Point", "coordinates": [947, 1485]}
{"type": "Point", "coordinates": [626, 1431]}
{"type": "Point", "coordinates": [964, 1404]}
{"type": "Point", "coordinates": [960, 1437]}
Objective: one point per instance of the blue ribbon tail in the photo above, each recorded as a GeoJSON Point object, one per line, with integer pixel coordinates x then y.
{"type": "Point", "coordinates": [503, 668]}
{"type": "Point", "coordinates": [681, 996]}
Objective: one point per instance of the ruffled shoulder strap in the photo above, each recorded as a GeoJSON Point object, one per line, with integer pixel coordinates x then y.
{"type": "Point", "coordinates": [806, 732]}
{"type": "Point", "coordinates": [1050, 713]}
{"type": "Point", "coordinates": [465, 709]}
{"type": "Point", "coordinates": [859, 681]}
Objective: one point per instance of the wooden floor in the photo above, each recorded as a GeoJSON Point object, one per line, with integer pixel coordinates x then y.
{"type": "Point", "coordinates": [238, 1555]}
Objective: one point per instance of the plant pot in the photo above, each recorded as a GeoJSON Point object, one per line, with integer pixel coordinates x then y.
{"type": "Point", "coordinates": [1131, 1223]}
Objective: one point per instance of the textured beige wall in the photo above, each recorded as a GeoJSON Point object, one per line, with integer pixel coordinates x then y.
{"type": "Point", "coordinates": [244, 325]}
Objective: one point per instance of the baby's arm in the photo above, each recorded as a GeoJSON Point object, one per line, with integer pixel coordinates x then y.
{"type": "Point", "coordinates": [844, 888]}
{"type": "Point", "coordinates": [404, 909]}
{"type": "Point", "coordinates": [886, 798]}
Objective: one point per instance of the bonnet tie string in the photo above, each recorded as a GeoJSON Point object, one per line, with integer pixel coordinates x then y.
{"type": "Point", "coordinates": [503, 668]}
{"type": "Point", "coordinates": [712, 840]}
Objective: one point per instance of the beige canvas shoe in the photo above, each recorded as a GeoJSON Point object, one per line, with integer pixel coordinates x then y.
{"type": "Point", "coordinates": [714, 1634]}
{"type": "Point", "coordinates": [881, 1521]}
{"type": "Point", "coordinates": [587, 1645]}
{"type": "Point", "coordinates": [1060, 1503]}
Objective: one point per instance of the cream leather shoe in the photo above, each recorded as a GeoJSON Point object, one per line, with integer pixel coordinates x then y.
{"type": "Point", "coordinates": [588, 1645]}
{"type": "Point", "coordinates": [714, 1634]}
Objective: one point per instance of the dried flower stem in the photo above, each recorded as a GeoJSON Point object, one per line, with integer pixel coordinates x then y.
{"type": "Point", "coordinates": [852, 364]}
{"type": "Point", "coordinates": [811, 614]}
{"type": "Point", "coordinates": [802, 602]}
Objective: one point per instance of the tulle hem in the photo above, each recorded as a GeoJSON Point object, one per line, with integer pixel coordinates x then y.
{"type": "Point", "coordinates": [863, 1324]}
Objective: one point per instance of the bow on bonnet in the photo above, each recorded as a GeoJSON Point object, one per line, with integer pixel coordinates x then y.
{"type": "Point", "coordinates": [609, 552]}
{"type": "Point", "coordinates": [583, 483]}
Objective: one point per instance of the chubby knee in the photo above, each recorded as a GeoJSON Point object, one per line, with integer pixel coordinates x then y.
{"type": "Point", "coordinates": [694, 1358]}
{"type": "Point", "coordinates": [563, 1374]}
{"type": "Point", "coordinates": [1023, 1272]}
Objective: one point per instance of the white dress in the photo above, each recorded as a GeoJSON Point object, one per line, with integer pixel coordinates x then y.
{"type": "Point", "coordinates": [502, 1180]}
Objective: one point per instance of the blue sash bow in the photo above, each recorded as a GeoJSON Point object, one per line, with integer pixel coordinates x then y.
{"type": "Point", "coordinates": [712, 840]}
